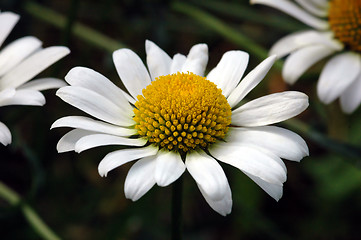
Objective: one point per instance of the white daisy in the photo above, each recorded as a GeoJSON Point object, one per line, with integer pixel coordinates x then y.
{"type": "Point", "coordinates": [175, 119]}
{"type": "Point", "coordinates": [20, 61]}
{"type": "Point", "coordinates": [337, 33]}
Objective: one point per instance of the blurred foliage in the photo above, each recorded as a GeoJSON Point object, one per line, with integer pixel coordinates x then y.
{"type": "Point", "coordinates": [322, 197]}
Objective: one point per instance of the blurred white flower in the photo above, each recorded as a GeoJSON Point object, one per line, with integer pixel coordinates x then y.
{"type": "Point", "coordinates": [337, 34]}
{"type": "Point", "coordinates": [20, 61]}
{"type": "Point", "coordinates": [175, 119]}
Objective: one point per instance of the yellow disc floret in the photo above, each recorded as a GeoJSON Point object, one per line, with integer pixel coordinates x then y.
{"type": "Point", "coordinates": [182, 112]}
{"type": "Point", "coordinates": [345, 22]}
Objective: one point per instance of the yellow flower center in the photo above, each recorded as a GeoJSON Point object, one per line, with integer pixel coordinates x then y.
{"type": "Point", "coordinates": [345, 22]}
{"type": "Point", "coordinates": [182, 112]}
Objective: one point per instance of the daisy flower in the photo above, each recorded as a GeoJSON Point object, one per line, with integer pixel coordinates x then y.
{"type": "Point", "coordinates": [20, 61]}
{"type": "Point", "coordinates": [175, 119]}
{"type": "Point", "coordinates": [337, 33]}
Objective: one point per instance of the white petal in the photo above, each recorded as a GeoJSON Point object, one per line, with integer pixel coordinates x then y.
{"type": "Point", "coordinates": [140, 178]}
{"type": "Point", "coordinates": [96, 82]}
{"type": "Point", "coordinates": [96, 140]}
{"type": "Point", "coordinates": [25, 97]}
{"type": "Point", "coordinates": [158, 61]}
{"type": "Point", "coordinates": [208, 174]}
{"type": "Point", "coordinates": [337, 75]}
{"type": "Point", "coordinates": [274, 190]}
{"type": "Point", "coordinates": [270, 109]}
{"type": "Point", "coordinates": [313, 8]}
{"type": "Point", "coordinates": [5, 135]}
{"type": "Point", "coordinates": [301, 39]}
{"type": "Point", "coordinates": [177, 63]}
{"type": "Point", "coordinates": [229, 71]}
{"type": "Point", "coordinates": [16, 51]}
{"type": "Point", "coordinates": [67, 142]}
{"type": "Point", "coordinates": [302, 59]}
{"type": "Point", "coordinates": [128, 97]}
{"type": "Point", "coordinates": [282, 142]}
{"type": "Point", "coordinates": [295, 11]}
{"type": "Point", "coordinates": [250, 81]}
{"type": "Point", "coordinates": [351, 97]}
{"type": "Point", "coordinates": [6, 94]}
{"type": "Point", "coordinates": [252, 160]}
{"type": "Point", "coordinates": [117, 158]}
{"type": "Point", "coordinates": [43, 84]}
{"type": "Point", "coordinates": [7, 23]}
{"type": "Point", "coordinates": [93, 125]}
{"type": "Point", "coordinates": [32, 66]}
{"type": "Point", "coordinates": [95, 105]}
{"type": "Point", "coordinates": [131, 71]}
{"type": "Point", "coordinates": [197, 59]}
{"type": "Point", "coordinates": [222, 206]}
{"type": "Point", "coordinates": [169, 167]}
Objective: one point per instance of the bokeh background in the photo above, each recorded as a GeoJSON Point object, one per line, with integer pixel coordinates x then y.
{"type": "Point", "coordinates": [322, 196]}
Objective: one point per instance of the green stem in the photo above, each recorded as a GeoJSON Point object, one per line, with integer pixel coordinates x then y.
{"type": "Point", "coordinates": [79, 30]}
{"type": "Point", "coordinates": [31, 216]}
{"type": "Point", "coordinates": [177, 209]}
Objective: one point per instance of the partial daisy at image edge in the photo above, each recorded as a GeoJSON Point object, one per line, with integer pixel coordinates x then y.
{"type": "Point", "coordinates": [335, 35]}
{"type": "Point", "coordinates": [197, 124]}
{"type": "Point", "coordinates": [20, 61]}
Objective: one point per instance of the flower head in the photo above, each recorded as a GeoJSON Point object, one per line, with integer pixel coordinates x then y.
{"type": "Point", "coordinates": [337, 33]}
{"type": "Point", "coordinates": [175, 119]}
{"type": "Point", "coordinates": [20, 61]}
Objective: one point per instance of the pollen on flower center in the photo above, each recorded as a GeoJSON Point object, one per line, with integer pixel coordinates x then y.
{"type": "Point", "coordinates": [345, 22]}
{"type": "Point", "coordinates": [182, 112]}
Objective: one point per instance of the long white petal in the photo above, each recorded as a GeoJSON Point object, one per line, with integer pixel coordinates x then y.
{"type": "Point", "coordinates": [337, 75]}
{"type": "Point", "coordinates": [351, 97]}
{"type": "Point", "coordinates": [32, 66]}
{"type": "Point", "coordinates": [96, 82]}
{"type": "Point", "coordinates": [313, 8]}
{"type": "Point", "coordinates": [67, 142]}
{"type": "Point", "coordinates": [250, 81]}
{"type": "Point", "coordinates": [229, 71]}
{"type": "Point", "coordinates": [295, 11]}
{"type": "Point", "coordinates": [177, 63]}
{"type": "Point", "coordinates": [95, 105]}
{"type": "Point", "coordinates": [197, 60]}
{"type": "Point", "coordinates": [270, 109]}
{"type": "Point", "coordinates": [7, 23]}
{"type": "Point", "coordinates": [282, 142]}
{"type": "Point", "coordinates": [274, 190]}
{"type": "Point", "coordinates": [25, 97]}
{"type": "Point", "coordinates": [96, 140]}
{"type": "Point", "coordinates": [117, 158]}
{"type": "Point", "coordinates": [301, 39]}
{"type": "Point", "coordinates": [131, 71]}
{"type": "Point", "coordinates": [252, 160]}
{"type": "Point", "coordinates": [5, 135]}
{"type": "Point", "coordinates": [43, 84]}
{"type": "Point", "coordinates": [208, 174]}
{"type": "Point", "coordinates": [302, 59]}
{"type": "Point", "coordinates": [93, 125]}
{"type": "Point", "coordinates": [16, 51]}
{"type": "Point", "coordinates": [140, 178]}
{"type": "Point", "coordinates": [169, 167]}
{"type": "Point", "coordinates": [158, 61]}
{"type": "Point", "coordinates": [222, 206]}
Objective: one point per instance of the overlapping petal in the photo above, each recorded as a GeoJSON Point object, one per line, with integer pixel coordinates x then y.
{"type": "Point", "coordinates": [269, 109]}
{"type": "Point", "coordinates": [117, 158]}
{"type": "Point", "coordinates": [5, 135]}
{"type": "Point", "coordinates": [140, 178]}
{"type": "Point", "coordinates": [169, 167]}
{"type": "Point", "coordinates": [338, 74]}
